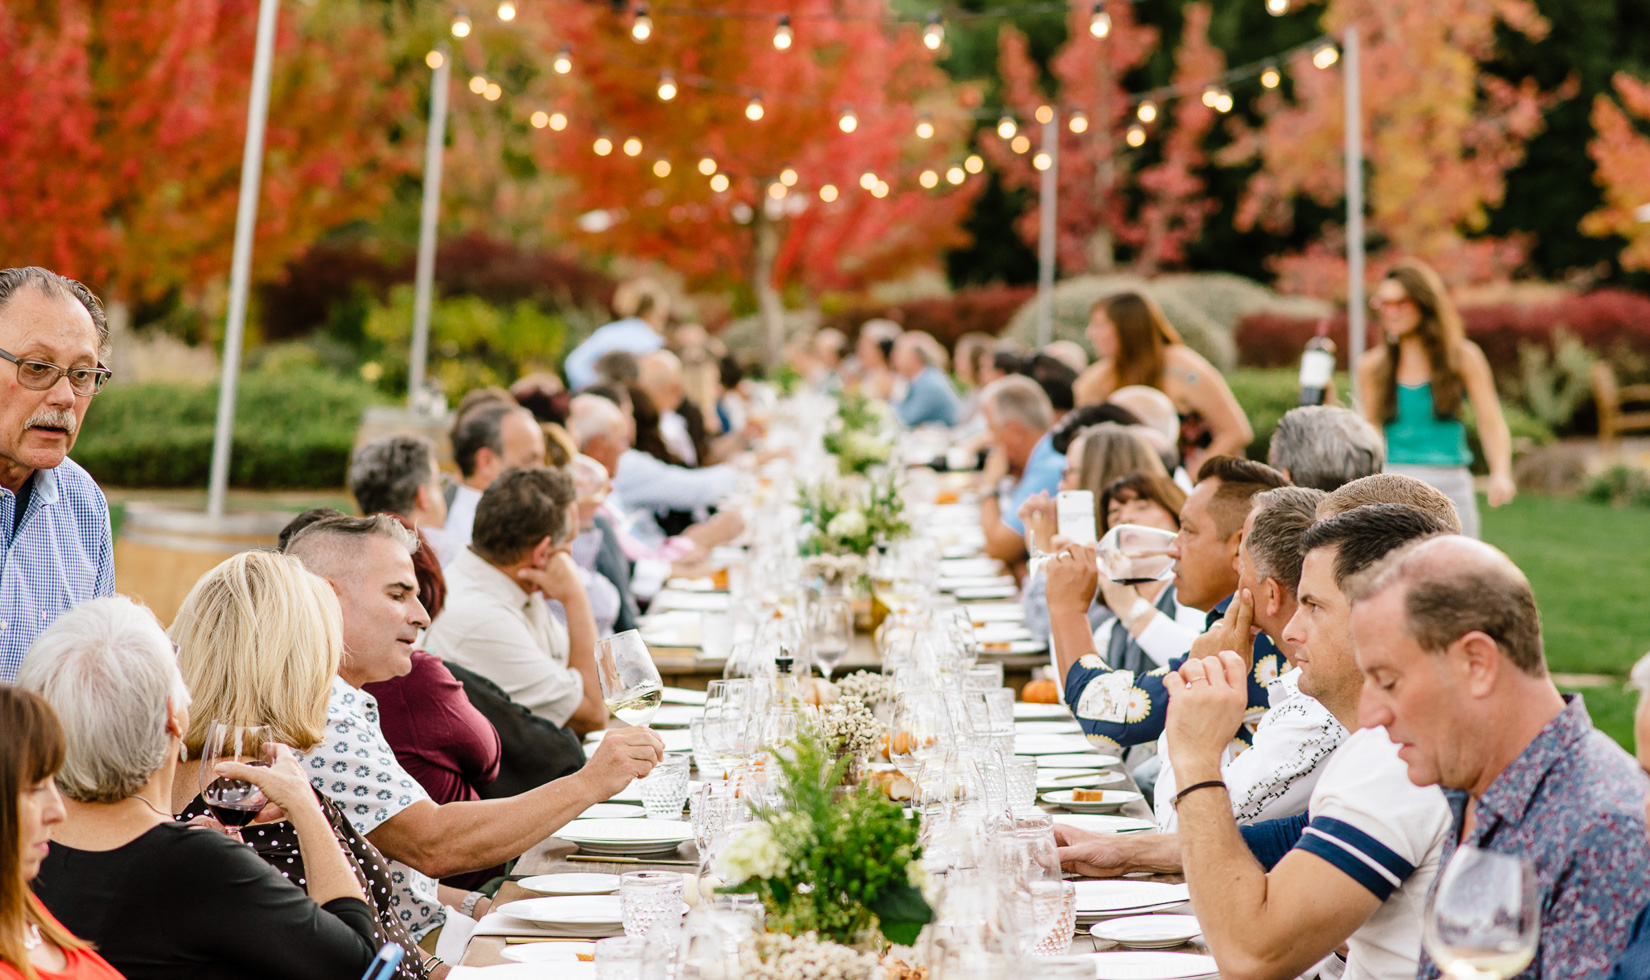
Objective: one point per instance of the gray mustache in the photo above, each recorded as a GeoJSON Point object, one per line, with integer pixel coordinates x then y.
{"type": "Point", "coordinates": [57, 418]}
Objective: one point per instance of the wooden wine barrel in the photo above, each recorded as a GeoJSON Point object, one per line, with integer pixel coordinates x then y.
{"type": "Point", "coordinates": [162, 551]}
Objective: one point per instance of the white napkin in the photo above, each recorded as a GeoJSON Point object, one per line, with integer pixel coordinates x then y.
{"type": "Point", "coordinates": [455, 935]}
{"type": "Point", "coordinates": [499, 924]}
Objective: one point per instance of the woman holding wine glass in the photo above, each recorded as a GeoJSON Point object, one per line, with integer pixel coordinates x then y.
{"type": "Point", "coordinates": [157, 897]}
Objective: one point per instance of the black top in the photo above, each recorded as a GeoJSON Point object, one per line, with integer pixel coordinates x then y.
{"type": "Point", "coordinates": [185, 902]}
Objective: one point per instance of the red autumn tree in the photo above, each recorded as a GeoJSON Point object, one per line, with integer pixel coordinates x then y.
{"type": "Point", "coordinates": [1621, 152]}
{"type": "Point", "coordinates": [1093, 164]}
{"type": "Point", "coordinates": [1440, 133]}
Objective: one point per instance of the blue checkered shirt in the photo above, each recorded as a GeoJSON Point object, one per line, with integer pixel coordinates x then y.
{"type": "Point", "coordinates": [62, 554]}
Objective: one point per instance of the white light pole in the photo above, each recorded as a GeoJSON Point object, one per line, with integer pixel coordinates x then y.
{"type": "Point", "coordinates": [1048, 205]}
{"type": "Point", "coordinates": [434, 147]}
{"type": "Point", "coordinates": [1356, 308]}
{"type": "Point", "coordinates": [240, 265]}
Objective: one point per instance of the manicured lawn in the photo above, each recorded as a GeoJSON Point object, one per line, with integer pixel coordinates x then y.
{"type": "Point", "coordinates": [1590, 570]}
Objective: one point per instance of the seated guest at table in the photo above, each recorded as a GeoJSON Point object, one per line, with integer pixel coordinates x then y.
{"type": "Point", "coordinates": [1121, 708]}
{"type": "Point", "coordinates": [1022, 461]}
{"type": "Point", "coordinates": [1356, 870]}
{"type": "Point", "coordinates": [1275, 776]}
{"type": "Point", "coordinates": [1055, 377]}
{"type": "Point", "coordinates": [368, 563]}
{"type": "Point", "coordinates": [1070, 353]}
{"type": "Point", "coordinates": [649, 481]}
{"type": "Point", "coordinates": [871, 374]}
{"type": "Point", "coordinates": [1157, 414]}
{"type": "Point", "coordinates": [617, 366]}
{"type": "Point", "coordinates": [543, 394]}
{"type": "Point", "coordinates": [1449, 640]}
{"type": "Point", "coordinates": [828, 349]}
{"type": "Point", "coordinates": [497, 620]}
{"type": "Point", "coordinates": [596, 549]}
{"type": "Point", "coordinates": [488, 440]}
{"type": "Point", "coordinates": [258, 641]}
{"type": "Point", "coordinates": [1634, 962]}
{"type": "Point", "coordinates": [32, 943]}
{"type": "Point", "coordinates": [1325, 448]}
{"type": "Point", "coordinates": [644, 310]}
{"type": "Point", "coordinates": [661, 379]}
{"type": "Point", "coordinates": [929, 398]}
{"type": "Point", "coordinates": [156, 897]}
{"type": "Point", "coordinates": [1075, 422]}
{"type": "Point", "coordinates": [399, 475]}
{"type": "Point", "coordinates": [1391, 488]}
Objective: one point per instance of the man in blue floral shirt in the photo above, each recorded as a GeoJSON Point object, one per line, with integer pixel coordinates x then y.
{"type": "Point", "coordinates": [1449, 641]}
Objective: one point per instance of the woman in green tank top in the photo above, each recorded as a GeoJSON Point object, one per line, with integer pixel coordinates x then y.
{"type": "Point", "coordinates": [1414, 384]}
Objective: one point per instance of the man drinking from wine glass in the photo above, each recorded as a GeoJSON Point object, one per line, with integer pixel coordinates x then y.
{"type": "Point", "coordinates": [1449, 641]}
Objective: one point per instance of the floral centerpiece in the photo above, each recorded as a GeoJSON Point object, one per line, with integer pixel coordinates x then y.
{"type": "Point", "coordinates": [841, 518]}
{"type": "Point", "coordinates": [855, 437]}
{"type": "Point", "coordinates": [834, 861]}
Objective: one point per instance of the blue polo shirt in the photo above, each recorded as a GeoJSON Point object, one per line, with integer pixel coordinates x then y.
{"type": "Point", "coordinates": [1042, 472]}
{"type": "Point", "coordinates": [929, 398]}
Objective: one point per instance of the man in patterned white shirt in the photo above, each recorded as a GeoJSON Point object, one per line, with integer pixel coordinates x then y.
{"type": "Point", "coordinates": [368, 562]}
{"type": "Point", "coordinates": [56, 548]}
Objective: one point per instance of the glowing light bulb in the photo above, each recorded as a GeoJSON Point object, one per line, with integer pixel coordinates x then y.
{"type": "Point", "coordinates": [435, 59]}
{"type": "Point", "coordinates": [1326, 55]}
{"type": "Point", "coordinates": [1136, 135]}
{"type": "Point", "coordinates": [828, 193]}
{"type": "Point", "coordinates": [925, 128]}
{"type": "Point", "coordinates": [707, 166]}
{"type": "Point", "coordinates": [1006, 128]}
{"type": "Point", "coordinates": [667, 87]}
{"type": "Point", "coordinates": [632, 147]}
{"type": "Point", "coordinates": [1224, 103]}
{"type": "Point", "coordinates": [1020, 143]}
{"type": "Point", "coordinates": [1277, 8]}
{"type": "Point", "coordinates": [558, 122]}
{"type": "Point", "coordinates": [540, 119]}
{"type": "Point", "coordinates": [563, 63]}
{"type": "Point", "coordinates": [777, 191]}
{"type": "Point", "coordinates": [506, 11]}
{"type": "Point", "coordinates": [1271, 77]}
{"type": "Point", "coordinates": [753, 109]}
{"type": "Point", "coordinates": [661, 168]}
{"type": "Point", "coordinates": [1211, 95]}
{"type": "Point", "coordinates": [1147, 111]}
{"type": "Point", "coordinates": [1078, 123]}
{"type": "Point", "coordinates": [867, 180]}
{"type": "Point", "coordinates": [719, 183]}
{"type": "Point", "coordinates": [955, 175]}
{"type": "Point", "coordinates": [1042, 161]}
{"type": "Point", "coordinates": [847, 122]}
{"type": "Point", "coordinates": [461, 25]}
{"type": "Point", "coordinates": [492, 92]}
{"type": "Point", "coordinates": [641, 28]}
{"type": "Point", "coordinates": [783, 36]}
{"type": "Point", "coordinates": [788, 177]}
{"type": "Point", "coordinates": [881, 190]}
{"type": "Point", "coordinates": [1045, 114]}
{"type": "Point", "coordinates": [934, 34]}
{"type": "Point", "coordinates": [929, 179]}
{"type": "Point", "coordinates": [478, 84]}
{"type": "Point", "coordinates": [974, 164]}
{"type": "Point", "coordinates": [603, 146]}
{"type": "Point", "coordinates": [1099, 21]}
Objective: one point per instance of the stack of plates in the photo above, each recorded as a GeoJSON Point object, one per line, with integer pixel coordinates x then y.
{"type": "Point", "coordinates": [1067, 727]}
{"type": "Point", "coordinates": [995, 612]}
{"type": "Point", "coordinates": [1111, 799]}
{"type": "Point", "coordinates": [1079, 760]}
{"type": "Point", "coordinates": [591, 915]}
{"type": "Point", "coordinates": [1148, 931]}
{"type": "Point", "coordinates": [613, 811]}
{"type": "Point", "coordinates": [628, 838]}
{"type": "Point", "coordinates": [675, 716]}
{"type": "Point", "coordinates": [1111, 898]}
{"type": "Point", "coordinates": [1154, 966]}
{"type": "Point", "coordinates": [1106, 823]}
{"type": "Point", "coordinates": [1052, 779]}
{"type": "Point", "coordinates": [572, 884]}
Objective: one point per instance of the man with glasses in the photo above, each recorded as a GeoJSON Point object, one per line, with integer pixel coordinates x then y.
{"type": "Point", "coordinates": [56, 548]}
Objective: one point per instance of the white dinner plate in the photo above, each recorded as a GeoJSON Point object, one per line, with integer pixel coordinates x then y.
{"type": "Point", "coordinates": [1070, 727]}
{"type": "Point", "coordinates": [995, 612]}
{"type": "Point", "coordinates": [1050, 744]}
{"type": "Point", "coordinates": [1114, 799]}
{"type": "Point", "coordinates": [669, 599]}
{"type": "Point", "coordinates": [572, 884]}
{"type": "Point", "coordinates": [1050, 779]}
{"type": "Point", "coordinates": [1148, 931]}
{"type": "Point", "coordinates": [706, 584]}
{"type": "Point", "coordinates": [613, 811]}
{"type": "Point", "coordinates": [1079, 760]}
{"type": "Point", "coordinates": [1124, 894]}
{"type": "Point", "coordinates": [566, 910]}
{"type": "Point", "coordinates": [1029, 711]}
{"type": "Point", "coordinates": [1106, 823]}
{"type": "Point", "coordinates": [676, 716]}
{"type": "Point", "coordinates": [682, 695]}
{"type": "Point", "coordinates": [564, 954]}
{"type": "Point", "coordinates": [952, 584]}
{"type": "Point", "coordinates": [974, 593]}
{"type": "Point", "coordinates": [960, 567]}
{"type": "Point", "coordinates": [647, 830]}
{"type": "Point", "coordinates": [1001, 633]}
{"type": "Point", "coordinates": [1153, 966]}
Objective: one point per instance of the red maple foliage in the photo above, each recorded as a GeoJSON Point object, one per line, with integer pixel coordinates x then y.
{"type": "Point", "coordinates": [1622, 154]}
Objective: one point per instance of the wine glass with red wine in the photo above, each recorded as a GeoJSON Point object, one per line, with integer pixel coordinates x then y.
{"type": "Point", "coordinates": [234, 802]}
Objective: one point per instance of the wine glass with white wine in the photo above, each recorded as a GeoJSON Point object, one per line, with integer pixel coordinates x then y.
{"type": "Point", "coordinates": [630, 682]}
{"type": "Point", "coordinates": [1483, 921]}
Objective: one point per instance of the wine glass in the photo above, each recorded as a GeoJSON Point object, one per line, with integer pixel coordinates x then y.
{"type": "Point", "coordinates": [630, 682]}
{"type": "Point", "coordinates": [234, 802]}
{"type": "Point", "coordinates": [831, 628]}
{"type": "Point", "coordinates": [1484, 918]}
{"type": "Point", "coordinates": [1135, 554]}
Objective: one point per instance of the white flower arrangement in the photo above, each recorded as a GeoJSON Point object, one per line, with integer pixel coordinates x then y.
{"type": "Point", "coordinates": [752, 852]}
{"type": "Point", "coordinates": [847, 524]}
{"type": "Point", "coordinates": [851, 725]}
{"type": "Point", "coordinates": [777, 956]}
{"type": "Point", "coordinates": [870, 688]}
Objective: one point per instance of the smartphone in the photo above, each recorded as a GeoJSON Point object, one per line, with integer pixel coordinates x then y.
{"type": "Point", "coordinates": [1074, 510]}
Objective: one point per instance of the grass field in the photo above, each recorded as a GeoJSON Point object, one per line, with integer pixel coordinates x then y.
{"type": "Point", "coordinates": [1589, 565]}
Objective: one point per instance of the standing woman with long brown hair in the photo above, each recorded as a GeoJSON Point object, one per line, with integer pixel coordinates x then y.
{"type": "Point", "coordinates": [1415, 384]}
{"type": "Point", "coordinates": [32, 943]}
{"type": "Point", "coordinates": [1134, 344]}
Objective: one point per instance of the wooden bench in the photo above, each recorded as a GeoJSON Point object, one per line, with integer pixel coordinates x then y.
{"type": "Point", "coordinates": [1611, 397]}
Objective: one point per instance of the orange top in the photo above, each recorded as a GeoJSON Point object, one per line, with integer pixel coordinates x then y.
{"type": "Point", "coordinates": [83, 964]}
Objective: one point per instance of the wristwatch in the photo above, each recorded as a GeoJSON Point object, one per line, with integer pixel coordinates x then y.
{"type": "Point", "coordinates": [468, 906]}
{"type": "Point", "coordinates": [1140, 609]}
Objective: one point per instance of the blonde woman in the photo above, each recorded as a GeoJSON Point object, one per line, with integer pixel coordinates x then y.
{"type": "Point", "coordinates": [259, 641]}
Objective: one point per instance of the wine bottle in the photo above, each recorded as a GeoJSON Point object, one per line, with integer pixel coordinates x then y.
{"type": "Point", "coordinates": [1317, 366]}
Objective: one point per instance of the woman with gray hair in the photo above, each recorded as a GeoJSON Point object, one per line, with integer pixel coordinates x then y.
{"type": "Point", "coordinates": [161, 898]}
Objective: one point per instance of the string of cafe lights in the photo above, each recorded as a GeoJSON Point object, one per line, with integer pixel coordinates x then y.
{"type": "Point", "coordinates": [1146, 107]}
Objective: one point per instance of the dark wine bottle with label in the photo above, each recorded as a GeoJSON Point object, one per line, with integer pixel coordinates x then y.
{"type": "Point", "coordinates": [1317, 366]}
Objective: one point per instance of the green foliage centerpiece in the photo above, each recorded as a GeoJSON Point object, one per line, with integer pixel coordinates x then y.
{"type": "Point", "coordinates": [833, 860]}
{"type": "Point", "coordinates": [856, 436]}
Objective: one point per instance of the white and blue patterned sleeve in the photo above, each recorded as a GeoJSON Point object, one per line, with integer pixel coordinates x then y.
{"type": "Point", "coordinates": [355, 767]}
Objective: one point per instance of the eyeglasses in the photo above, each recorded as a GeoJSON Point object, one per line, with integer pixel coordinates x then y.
{"type": "Point", "coordinates": [43, 375]}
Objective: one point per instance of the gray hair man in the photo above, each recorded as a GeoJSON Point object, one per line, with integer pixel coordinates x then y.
{"type": "Point", "coordinates": [399, 475]}
{"type": "Point", "coordinates": [1325, 448]}
{"type": "Point", "coordinates": [55, 537]}
{"type": "Point", "coordinates": [1022, 461]}
{"type": "Point", "coordinates": [487, 440]}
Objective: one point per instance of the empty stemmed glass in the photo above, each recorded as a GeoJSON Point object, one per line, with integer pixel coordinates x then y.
{"type": "Point", "coordinates": [1484, 916]}
{"type": "Point", "coordinates": [234, 802]}
{"type": "Point", "coordinates": [831, 632]}
{"type": "Point", "coordinates": [630, 682]}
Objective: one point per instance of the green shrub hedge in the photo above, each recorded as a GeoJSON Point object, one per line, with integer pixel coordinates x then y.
{"type": "Point", "coordinates": [293, 430]}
